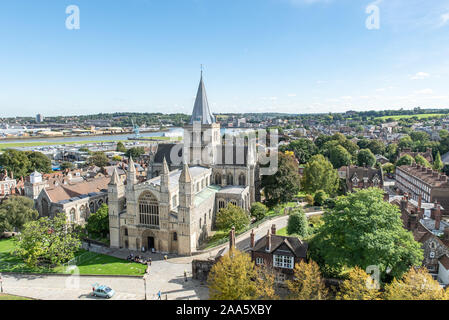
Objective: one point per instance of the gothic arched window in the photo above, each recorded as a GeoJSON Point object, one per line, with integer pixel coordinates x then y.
{"type": "Point", "coordinates": [148, 210]}
{"type": "Point", "coordinates": [230, 179]}
{"type": "Point", "coordinates": [218, 179]}
{"type": "Point", "coordinates": [83, 212]}
{"type": "Point", "coordinates": [221, 204]}
{"type": "Point", "coordinates": [72, 215]}
{"type": "Point", "coordinates": [242, 179]}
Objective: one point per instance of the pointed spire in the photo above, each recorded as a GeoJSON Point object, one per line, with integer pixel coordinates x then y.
{"type": "Point", "coordinates": [185, 174]}
{"type": "Point", "coordinates": [115, 179]}
{"type": "Point", "coordinates": [201, 111]}
{"type": "Point", "coordinates": [131, 167]}
{"type": "Point", "coordinates": [165, 169]}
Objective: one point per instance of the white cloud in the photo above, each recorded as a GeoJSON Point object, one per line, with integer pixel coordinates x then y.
{"type": "Point", "coordinates": [420, 76]}
{"type": "Point", "coordinates": [444, 18]}
{"type": "Point", "coordinates": [346, 98]}
{"type": "Point", "coordinates": [292, 94]}
{"type": "Point", "coordinates": [424, 91]}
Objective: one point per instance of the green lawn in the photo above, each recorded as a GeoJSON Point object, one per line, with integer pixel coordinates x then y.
{"type": "Point", "coordinates": [282, 232]}
{"type": "Point", "coordinates": [4, 146]}
{"type": "Point", "coordinates": [88, 263]}
{"type": "Point", "coordinates": [4, 296]}
{"type": "Point", "coordinates": [419, 116]}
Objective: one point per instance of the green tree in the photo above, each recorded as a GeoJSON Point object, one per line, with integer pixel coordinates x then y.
{"type": "Point", "coordinates": [67, 165]}
{"type": "Point", "coordinates": [307, 283]}
{"type": "Point", "coordinates": [120, 147]}
{"type": "Point", "coordinates": [16, 162]}
{"type": "Point", "coordinates": [376, 146]}
{"type": "Point", "coordinates": [437, 163]}
{"type": "Point", "coordinates": [135, 152]}
{"type": "Point", "coordinates": [320, 197]}
{"type": "Point", "coordinates": [304, 149]}
{"type": "Point", "coordinates": [15, 212]}
{"type": "Point", "coordinates": [258, 210]}
{"type": "Point", "coordinates": [98, 222]}
{"type": "Point", "coordinates": [389, 167]}
{"type": "Point", "coordinates": [405, 143]}
{"type": "Point", "coordinates": [339, 157]}
{"type": "Point", "coordinates": [98, 159]}
{"type": "Point", "coordinates": [419, 159]}
{"type": "Point", "coordinates": [48, 242]}
{"type": "Point", "coordinates": [405, 160]}
{"type": "Point", "coordinates": [232, 216]}
{"type": "Point", "coordinates": [362, 230]}
{"type": "Point", "coordinates": [297, 223]}
{"type": "Point", "coordinates": [319, 174]}
{"type": "Point", "coordinates": [38, 162]}
{"type": "Point", "coordinates": [282, 186]}
{"type": "Point", "coordinates": [366, 158]}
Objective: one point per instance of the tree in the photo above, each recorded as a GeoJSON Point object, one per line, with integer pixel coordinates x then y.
{"type": "Point", "coordinates": [98, 222]}
{"type": "Point", "coordinates": [319, 174]}
{"type": "Point", "coordinates": [366, 158]}
{"type": "Point", "coordinates": [15, 161]}
{"type": "Point", "coordinates": [232, 216]}
{"type": "Point", "coordinates": [120, 147]}
{"type": "Point", "coordinates": [232, 277]}
{"type": "Point", "coordinates": [437, 163]}
{"type": "Point", "coordinates": [67, 165]}
{"type": "Point", "coordinates": [98, 159]}
{"type": "Point", "coordinates": [304, 149]}
{"type": "Point", "coordinates": [265, 283]}
{"type": "Point", "coordinates": [258, 210]}
{"type": "Point", "coordinates": [38, 162]}
{"type": "Point", "coordinates": [339, 157]}
{"type": "Point", "coordinates": [405, 160]}
{"type": "Point", "coordinates": [15, 212]}
{"type": "Point", "coordinates": [419, 159]}
{"type": "Point", "coordinates": [297, 223]}
{"type": "Point", "coordinates": [48, 242]}
{"type": "Point", "coordinates": [376, 146]}
{"type": "Point", "coordinates": [284, 184]}
{"type": "Point", "coordinates": [307, 283]}
{"type": "Point", "coordinates": [135, 152]}
{"type": "Point", "coordinates": [389, 167]}
{"type": "Point", "coordinates": [310, 200]}
{"type": "Point", "coordinates": [363, 230]}
{"type": "Point", "coordinates": [392, 152]}
{"type": "Point", "coordinates": [405, 143]}
{"type": "Point", "coordinates": [320, 197]}
{"type": "Point", "coordinates": [416, 284]}
{"type": "Point", "coordinates": [358, 286]}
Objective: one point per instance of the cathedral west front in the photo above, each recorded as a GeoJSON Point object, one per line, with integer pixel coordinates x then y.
{"type": "Point", "coordinates": [187, 183]}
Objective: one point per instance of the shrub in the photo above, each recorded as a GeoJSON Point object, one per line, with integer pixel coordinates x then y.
{"type": "Point", "coordinates": [232, 216]}
{"type": "Point", "coordinates": [309, 199]}
{"type": "Point", "coordinates": [320, 197]}
{"type": "Point", "coordinates": [259, 210]}
{"type": "Point", "coordinates": [297, 223]}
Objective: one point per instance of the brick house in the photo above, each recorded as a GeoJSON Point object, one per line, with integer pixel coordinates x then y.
{"type": "Point", "coordinates": [360, 177]}
{"type": "Point", "coordinates": [278, 252]}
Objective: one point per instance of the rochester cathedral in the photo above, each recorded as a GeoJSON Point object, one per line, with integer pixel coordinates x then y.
{"type": "Point", "coordinates": [187, 184]}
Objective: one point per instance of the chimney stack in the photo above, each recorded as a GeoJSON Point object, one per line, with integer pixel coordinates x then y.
{"type": "Point", "coordinates": [386, 196]}
{"type": "Point", "coordinates": [273, 229]}
{"type": "Point", "coordinates": [268, 246]}
{"type": "Point", "coordinates": [419, 202]}
{"type": "Point", "coordinates": [232, 238]}
{"type": "Point", "coordinates": [253, 242]}
{"type": "Point", "coordinates": [446, 233]}
{"type": "Point", "coordinates": [420, 214]}
{"type": "Point", "coordinates": [437, 216]}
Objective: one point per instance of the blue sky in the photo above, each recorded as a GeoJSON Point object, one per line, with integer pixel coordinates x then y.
{"type": "Point", "coordinates": [295, 56]}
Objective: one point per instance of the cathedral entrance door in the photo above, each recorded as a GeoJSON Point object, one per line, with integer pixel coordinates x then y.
{"type": "Point", "coordinates": [150, 243]}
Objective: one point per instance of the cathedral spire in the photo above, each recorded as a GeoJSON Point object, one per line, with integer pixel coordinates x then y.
{"type": "Point", "coordinates": [115, 179]}
{"type": "Point", "coordinates": [201, 111]}
{"type": "Point", "coordinates": [165, 169]}
{"type": "Point", "coordinates": [185, 174]}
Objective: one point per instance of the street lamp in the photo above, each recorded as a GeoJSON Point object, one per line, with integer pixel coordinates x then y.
{"type": "Point", "coordinates": [145, 284]}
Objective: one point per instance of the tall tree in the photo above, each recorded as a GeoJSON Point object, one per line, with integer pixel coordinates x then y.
{"type": "Point", "coordinates": [232, 277]}
{"type": "Point", "coordinates": [38, 162]}
{"type": "Point", "coordinates": [16, 162]}
{"type": "Point", "coordinates": [363, 230]}
{"type": "Point", "coordinates": [339, 157]}
{"type": "Point", "coordinates": [419, 159]}
{"type": "Point", "coordinates": [232, 216]}
{"type": "Point", "coordinates": [98, 159]}
{"type": "Point", "coordinates": [15, 212]}
{"type": "Point", "coordinates": [319, 174]}
{"type": "Point", "coordinates": [98, 222]}
{"type": "Point", "coordinates": [366, 158]}
{"type": "Point", "coordinates": [304, 149]}
{"type": "Point", "coordinates": [437, 163]}
{"type": "Point", "coordinates": [416, 284]}
{"type": "Point", "coordinates": [284, 184]}
{"type": "Point", "coordinates": [307, 283]}
{"type": "Point", "coordinates": [48, 242]}
{"type": "Point", "coordinates": [120, 147]}
{"type": "Point", "coordinates": [358, 286]}
{"type": "Point", "coordinates": [405, 160]}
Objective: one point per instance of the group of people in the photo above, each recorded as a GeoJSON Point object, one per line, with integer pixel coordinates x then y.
{"type": "Point", "coordinates": [139, 259]}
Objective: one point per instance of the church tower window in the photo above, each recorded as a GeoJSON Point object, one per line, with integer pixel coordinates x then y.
{"type": "Point", "coordinates": [148, 210]}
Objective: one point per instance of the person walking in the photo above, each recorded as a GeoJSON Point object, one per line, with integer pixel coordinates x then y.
{"type": "Point", "coordinates": [159, 294]}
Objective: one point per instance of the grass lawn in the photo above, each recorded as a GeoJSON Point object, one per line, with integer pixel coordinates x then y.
{"type": "Point", "coordinates": [4, 146]}
{"type": "Point", "coordinates": [282, 232]}
{"type": "Point", "coordinates": [88, 263]}
{"type": "Point", "coordinates": [4, 296]}
{"type": "Point", "coordinates": [419, 116]}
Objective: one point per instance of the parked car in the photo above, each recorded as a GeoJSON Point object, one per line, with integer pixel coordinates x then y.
{"type": "Point", "coordinates": [102, 291]}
